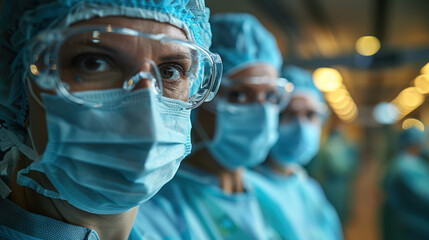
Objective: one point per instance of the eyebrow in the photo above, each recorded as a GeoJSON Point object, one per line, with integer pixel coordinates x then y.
{"type": "Point", "coordinates": [91, 44]}
{"type": "Point", "coordinates": [112, 50]}
{"type": "Point", "coordinates": [179, 56]}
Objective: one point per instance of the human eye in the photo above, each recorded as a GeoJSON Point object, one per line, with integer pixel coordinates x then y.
{"type": "Point", "coordinates": [313, 115]}
{"type": "Point", "coordinates": [92, 63]}
{"type": "Point", "coordinates": [236, 96]}
{"type": "Point", "coordinates": [172, 71]}
{"type": "Point", "coordinates": [271, 96]}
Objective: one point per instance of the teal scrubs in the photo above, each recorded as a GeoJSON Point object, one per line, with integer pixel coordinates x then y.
{"type": "Point", "coordinates": [294, 206]}
{"type": "Point", "coordinates": [19, 224]}
{"type": "Point", "coordinates": [192, 206]}
{"type": "Point", "coordinates": [406, 211]}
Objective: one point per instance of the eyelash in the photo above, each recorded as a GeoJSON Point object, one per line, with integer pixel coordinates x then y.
{"type": "Point", "coordinates": [177, 66]}
{"type": "Point", "coordinates": [75, 60]}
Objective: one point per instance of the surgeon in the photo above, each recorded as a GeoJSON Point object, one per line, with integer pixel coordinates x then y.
{"type": "Point", "coordinates": [95, 103]}
{"type": "Point", "coordinates": [294, 204]}
{"type": "Point", "coordinates": [335, 167]}
{"type": "Point", "coordinates": [406, 210]}
{"type": "Point", "coordinates": [208, 198]}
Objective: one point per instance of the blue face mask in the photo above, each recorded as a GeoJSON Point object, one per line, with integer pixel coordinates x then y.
{"type": "Point", "coordinates": [298, 143]}
{"type": "Point", "coordinates": [108, 160]}
{"type": "Point", "coordinates": [244, 133]}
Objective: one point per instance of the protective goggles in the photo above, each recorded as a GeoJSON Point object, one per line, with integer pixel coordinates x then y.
{"type": "Point", "coordinates": [253, 89]}
{"type": "Point", "coordinates": [104, 57]}
{"type": "Point", "coordinates": [303, 110]}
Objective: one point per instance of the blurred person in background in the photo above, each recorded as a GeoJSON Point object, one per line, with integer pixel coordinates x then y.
{"type": "Point", "coordinates": [405, 214]}
{"type": "Point", "coordinates": [334, 167]}
{"type": "Point", "coordinates": [208, 198]}
{"type": "Point", "coordinates": [293, 204]}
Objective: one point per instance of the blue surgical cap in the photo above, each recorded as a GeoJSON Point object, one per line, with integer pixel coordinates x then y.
{"type": "Point", "coordinates": [303, 82]}
{"type": "Point", "coordinates": [241, 40]}
{"type": "Point", "coordinates": [412, 137]}
{"type": "Point", "coordinates": [23, 19]}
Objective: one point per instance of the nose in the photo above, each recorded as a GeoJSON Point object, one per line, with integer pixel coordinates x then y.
{"type": "Point", "coordinates": [261, 97]}
{"type": "Point", "coordinates": [144, 78]}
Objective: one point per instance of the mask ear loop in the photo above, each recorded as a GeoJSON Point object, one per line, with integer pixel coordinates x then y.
{"type": "Point", "coordinates": [10, 140]}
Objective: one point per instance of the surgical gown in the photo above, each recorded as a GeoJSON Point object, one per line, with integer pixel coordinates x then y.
{"type": "Point", "coordinates": [294, 206]}
{"type": "Point", "coordinates": [192, 206]}
{"type": "Point", "coordinates": [18, 224]}
{"type": "Point", "coordinates": [406, 210]}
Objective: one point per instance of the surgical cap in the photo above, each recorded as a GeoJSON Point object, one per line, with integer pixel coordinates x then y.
{"type": "Point", "coordinates": [23, 19]}
{"type": "Point", "coordinates": [412, 137]}
{"type": "Point", "coordinates": [302, 81]}
{"type": "Point", "coordinates": [241, 40]}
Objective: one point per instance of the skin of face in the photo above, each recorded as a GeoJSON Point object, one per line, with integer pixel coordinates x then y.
{"type": "Point", "coordinates": [250, 91]}
{"type": "Point", "coordinates": [256, 92]}
{"type": "Point", "coordinates": [230, 181]}
{"type": "Point", "coordinates": [139, 52]}
{"type": "Point", "coordinates": [303, 107]}
{"type": "Point", "coordinates": [107, 226]}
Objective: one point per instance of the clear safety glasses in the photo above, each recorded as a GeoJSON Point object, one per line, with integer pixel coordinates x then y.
{"type": "Point", "coordinates": [105, 57]}
{"type": "Point", "coordinates": [307, 109]}
{"type": "Point", "coordinates": [257, 89]}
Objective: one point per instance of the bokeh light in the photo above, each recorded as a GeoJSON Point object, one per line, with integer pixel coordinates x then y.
{"type": "Point", "coordinates": [422, 84]}
{"type": "Point", "coordinates": [412, 122]}
{"type": "Point", "coordinates": [327, 79]}
{"type": "Point", "coordinates": [425, 69]}
{"type": "Point", "coordinates": [385, 113]}
{"type": "Point", "coordinates": [367, 45]}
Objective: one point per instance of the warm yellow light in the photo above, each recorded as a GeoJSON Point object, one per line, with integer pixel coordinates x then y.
{"type": "Point", "coordinates": [425, 69]}
{"type": "Point", "coordinates": [351, 117]}
{"type": "Point", "coordinates": [401, 106]}
{"type": "Point", "coordinates": [346, 102]}
{"type": "Point", "coordinates": [327, 79]}
{"type": "Point", "coordinates": [347, 109]}
{"type": "Point", "coordinates": [34, 70]}
{"type": "Point", "coordinates": [337, 95]}
{"type": "Point", "coordinates": [412, 122]}
{"type": "Point", "coordinates": [367, 45]}
{"type": "Point", "coordinates": [422, 84]}
{"type": "Point", "coordinates": [411, 98]}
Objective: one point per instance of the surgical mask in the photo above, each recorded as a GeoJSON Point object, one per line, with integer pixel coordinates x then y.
{"type": "Point", "coordinates": [298, 143]}
{"type": "Point", "coordinates": [110, 159]}
{"type": "Point", "coordinates": [244, 133]}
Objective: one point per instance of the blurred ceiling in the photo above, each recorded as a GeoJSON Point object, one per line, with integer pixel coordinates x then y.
{"type": "Point", "coordinates": [323, 33]}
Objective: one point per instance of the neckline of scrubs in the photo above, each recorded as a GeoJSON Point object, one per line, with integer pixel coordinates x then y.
{"type": "Point", "coordinates": [299, 173]}
{"type": "Point", "coordinates": [210, 181]}
{"type": "Point", "coordinates": [35, 226]}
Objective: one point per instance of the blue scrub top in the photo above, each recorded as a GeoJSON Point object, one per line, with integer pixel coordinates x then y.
{"type": "Point", "coordinates": [19, 224]}
{"type": "Point", "coordinates": [192, 206]}
{"type": "Point", "coordinates": [406, 211]}
{"type": "Point", "coordinates": [294, 206]}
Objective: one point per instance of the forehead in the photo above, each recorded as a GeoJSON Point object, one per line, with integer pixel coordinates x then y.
{"type": "Point", "coordinates": [142, 25]}
{"type": "Point", "coordinates": [260, 70]}
{"type": "Point", "coordinates": [300, 103]}
{"type": "Point", "coordinates": [257, 70]}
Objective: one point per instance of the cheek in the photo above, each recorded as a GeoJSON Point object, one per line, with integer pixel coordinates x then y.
{"type": "Point", "coordinates": [184, 93]}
